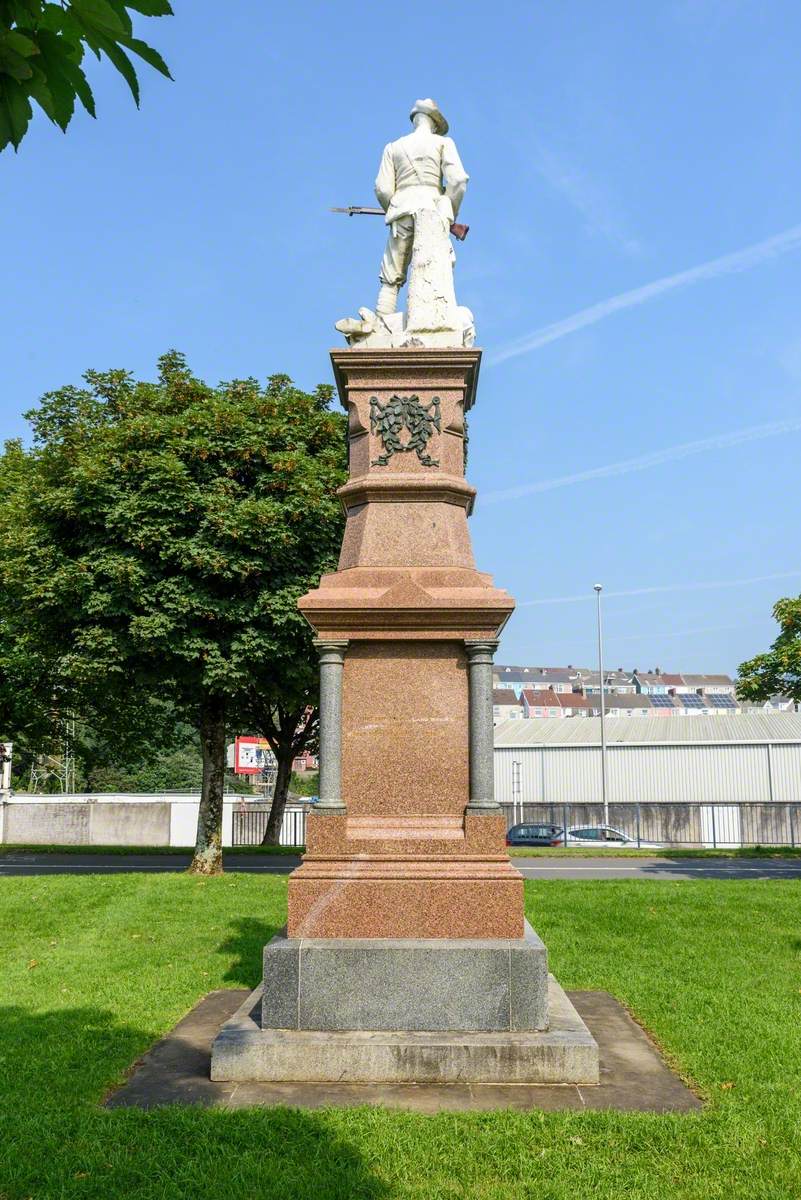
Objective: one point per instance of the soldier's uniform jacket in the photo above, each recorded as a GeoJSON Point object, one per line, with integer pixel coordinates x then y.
{"type": "Point", "coordinates": [422, 170]}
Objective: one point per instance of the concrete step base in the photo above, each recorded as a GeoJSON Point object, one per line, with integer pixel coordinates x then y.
{"type": "Point", "coordinates": [497, 985]}
{"type": "Point", "coordinates": [565, 1053]}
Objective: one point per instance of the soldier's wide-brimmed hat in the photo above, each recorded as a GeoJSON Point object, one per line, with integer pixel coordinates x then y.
{"type": "Point", "coordinates": [430, 108]}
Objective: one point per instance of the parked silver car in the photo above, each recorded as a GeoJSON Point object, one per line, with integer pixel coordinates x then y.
{"type": "Point", "coordinates": [605, 837]}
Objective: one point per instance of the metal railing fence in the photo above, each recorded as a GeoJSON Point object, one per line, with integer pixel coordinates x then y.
{"type": "Point", "coordinates": [691, 824]}
{"type": "Point", "coordinates": [702, 825]}
{"type": "Point", "coordinates": [249, 824]}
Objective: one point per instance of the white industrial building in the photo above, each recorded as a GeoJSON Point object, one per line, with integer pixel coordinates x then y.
{"type": "Point", "coordinates": [753, 759]}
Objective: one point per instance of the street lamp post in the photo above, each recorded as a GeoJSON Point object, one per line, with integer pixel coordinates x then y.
{"type": "Point", "coordinates": [598, 588]}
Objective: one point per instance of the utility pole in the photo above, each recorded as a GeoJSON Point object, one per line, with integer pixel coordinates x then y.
{"type": "Point", "coordinates": [598, 588]}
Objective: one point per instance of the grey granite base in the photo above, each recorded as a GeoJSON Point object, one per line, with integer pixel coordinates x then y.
{"type": "Point", "coordinates": [407, 985]}
{"type": "Point", "coordinates": [566, 1053]}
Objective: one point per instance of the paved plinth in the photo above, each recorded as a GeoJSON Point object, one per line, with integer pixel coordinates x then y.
{"type": "Point", "coordinates": [378, 984]}
{"type": "Point", "coordinates": [633, 1074]}
{"type": "Point", "coordinates": [565, 1053]}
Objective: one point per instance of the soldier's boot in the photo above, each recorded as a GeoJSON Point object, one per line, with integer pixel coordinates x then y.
{"type": "Point", "coordinates": [387, 299]}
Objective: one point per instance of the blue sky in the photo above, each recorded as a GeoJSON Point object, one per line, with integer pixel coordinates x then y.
{"type": "Point", "coordinates": [643, 436]}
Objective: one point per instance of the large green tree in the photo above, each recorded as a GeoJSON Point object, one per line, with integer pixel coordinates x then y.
{"type": "Point", "coordinates": [42, 45]}
{"type": "Point", "coordinates": [778, 671]}
{"type": "Point", "coordinates": [27, 699]}
{"type": "Point", "coordinates": [157, 544]}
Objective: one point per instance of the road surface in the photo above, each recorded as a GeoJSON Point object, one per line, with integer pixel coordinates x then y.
{"type": "Point", "coordinates": [598, 867]}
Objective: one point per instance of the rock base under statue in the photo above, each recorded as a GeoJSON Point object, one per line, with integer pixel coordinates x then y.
{"type": "Point", "coordinates": [372, 330]}
{"type": "Point", "coordinates": [566, 1052]}
{"type": "Point", "coordinates": [406, 1011]}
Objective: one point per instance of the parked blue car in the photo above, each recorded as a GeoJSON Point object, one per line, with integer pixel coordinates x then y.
{"type": "Point", "coordinates": [534, 835]}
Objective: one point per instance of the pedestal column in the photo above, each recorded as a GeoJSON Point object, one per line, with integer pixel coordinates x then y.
{"type": "Point", "coordinates": [420, 852]}
{"type": "Point", "coordinates": [406, 955]}
{"type": "Point", "coordinates": [482, 778]}
{"type": "Point", "coordinates": [332, 659]}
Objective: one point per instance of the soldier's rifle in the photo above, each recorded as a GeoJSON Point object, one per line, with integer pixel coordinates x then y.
{"type": "Point", "coordinates": [460, 232]}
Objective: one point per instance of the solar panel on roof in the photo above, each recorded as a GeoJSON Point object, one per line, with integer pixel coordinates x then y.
{"type": "Point", "coordinates": [662, 701]}
{"type": "Point", "coordinates": [722, 701]}
{"type": "Point", "coordinates": [692, 701]}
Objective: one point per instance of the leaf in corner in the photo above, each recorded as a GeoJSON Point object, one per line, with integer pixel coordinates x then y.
{"type": "Point", "coordinates": [151, 8]}
{"type": "Point", "coordinates": [146, 52]}
{"type": "Point", "coordinates": [15, 112]}
{"type": "Point", "coordinates": [80, 86]}
{"type": "Point", "coordinates": [121, 61]}
{"type": "Point", "coordinates": [39, 91]}
{"type": "Point", "coordinates": [15, 50]}
{"type": "Point", "coordinates": [55, 62]}
{"type": "Point", "coordinates": [62, 20]}
{"type": "Point", "coordinates": [102, 14]}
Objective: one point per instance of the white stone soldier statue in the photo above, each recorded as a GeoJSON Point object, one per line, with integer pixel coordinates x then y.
{"type": "Point", "coordinates": [421, 184]}
{"type": "Point", "coordinates": [418, 172]}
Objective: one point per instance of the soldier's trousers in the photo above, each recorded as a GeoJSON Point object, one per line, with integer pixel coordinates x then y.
{"type": "Point", "coordinates": [398, 252]}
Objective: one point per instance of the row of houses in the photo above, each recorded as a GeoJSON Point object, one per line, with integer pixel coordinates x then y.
{"type": "Point", "coordinates": [618, 681]}
{"type": "Point", "coordinates": [572, 692]}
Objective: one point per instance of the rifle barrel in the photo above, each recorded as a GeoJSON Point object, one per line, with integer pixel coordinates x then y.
{"type": "Point", "coordinates": [359, 210]}
{"type": "Point", "coordinates": [460, 232]}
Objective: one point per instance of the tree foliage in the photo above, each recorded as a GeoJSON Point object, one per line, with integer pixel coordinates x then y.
{"type": "Point", "coordinates": [778, 671]}
{"type": "Point", "coordinates": [42, 45]}
{"type": "Point", "coordinates": [156, 543]}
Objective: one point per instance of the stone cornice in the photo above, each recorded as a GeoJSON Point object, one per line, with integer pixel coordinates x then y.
{"type": "Point", "coordinates": [377, 364]}
{"type": "Point", "coordinates": [407, 489]}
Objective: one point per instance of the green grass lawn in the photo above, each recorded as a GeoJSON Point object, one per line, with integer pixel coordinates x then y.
{"type": "Point", "coordinates": [93, 969]}
{"type": "Point", "coordinates": [9, 849]}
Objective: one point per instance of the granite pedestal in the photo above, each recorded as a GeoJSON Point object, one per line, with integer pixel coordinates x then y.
{"type": "Point", "coordinates": [407, 957]}
{"type": "Point", "coordinates": [395, 984]}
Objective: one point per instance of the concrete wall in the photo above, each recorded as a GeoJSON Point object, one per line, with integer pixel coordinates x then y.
{"type": "Point", "coordinates": [107, 820]}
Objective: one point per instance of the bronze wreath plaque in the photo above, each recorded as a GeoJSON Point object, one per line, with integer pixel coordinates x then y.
{"type": "Point", "coordinates": [404, 413]}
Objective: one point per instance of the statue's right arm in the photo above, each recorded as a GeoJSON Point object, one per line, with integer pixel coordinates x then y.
{"type": "Point", "coordinates": [385, 180]}
{"type": "Point", "coordinates": [454, 175]}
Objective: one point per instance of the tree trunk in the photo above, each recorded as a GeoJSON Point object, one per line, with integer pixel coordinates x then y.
{"type": "Point", "coordinates": [289, 731]}
{"type": "Point", "coordinates": [285, 754]}
{"type": "Point", "coordinates": [208, 843]}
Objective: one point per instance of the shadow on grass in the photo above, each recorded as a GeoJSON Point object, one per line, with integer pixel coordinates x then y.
{"type": "Point", "coordinates": [55, 1068]}
{"type": "Point", "coordinates": [246, 941]}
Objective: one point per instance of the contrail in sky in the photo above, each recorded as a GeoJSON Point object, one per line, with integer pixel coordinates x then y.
{"type": "Point", "coordinates": [652, 637]}
{"type": "Point", "coordinates": [707, 585]}
{"type": "Point", "coordinates": [740, 260]}
{"type": "Point", "coordinates": [719, 442]}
